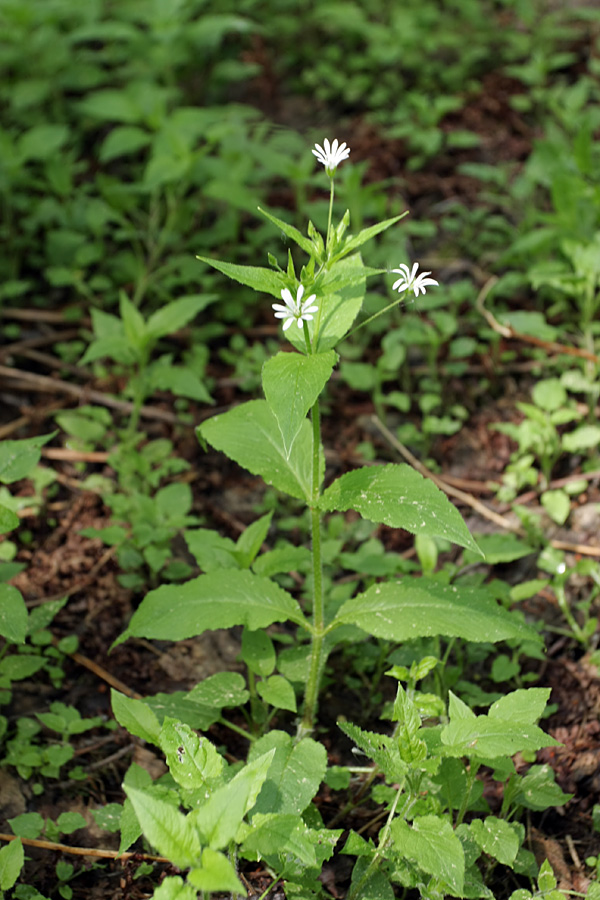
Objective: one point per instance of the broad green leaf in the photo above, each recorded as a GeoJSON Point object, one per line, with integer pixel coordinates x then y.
{"type": "Point", "coordinates": [524, 706]}
{"type": "Point", "coordinates": [250, 435]}
{"type": "Point", "coordinates": [215, 874]}
{"type": "Point", "coordinates": [431, 843]}
{"type": "Point", "coordinates": [68, 822]}
{"type": "Point", "coordinates": [251, 540]}
{"type": "Point", "coordinates": [376, 886]}
{"type": "Point", "coordinates": [291, 232]}
{"type": "Point", "coordinates": [339, 296]}
{"type": "Point", "coordinates": [423, 607]}
{"type": "Point", "coordinates": [283, 559]}
{"type": "Point", "coordinates": [175, 315]}
{"type": "Point", "coordinates": [538, 789]}
{"type": "Point", "coordinates": [12, 858]}
{"type": "Point", "coordinates": [398, 496]}
{"type": "Point", "coordinates": [220, 599]}
{"type": "Point", "coordinates": [167, 829]}
{"type": "Point", "coordinates": [193, 761]}
{"type": "Point", "coordinates": [557, 504]}
{"type": "Point", "coordinates": [180, 380]}
{"type": "Point", "coordinates": [17, 458]}
{"type": "Point", "coordinates": [219, 690]}
{"type": "Point", "coordinates": [133, 323]}
{"type": "Point", "coordinates": [354, 242]}
{"type": "Point", "coordinates": [292, 383]}
{"type": "Point", "coordinates": [28, 825]}
{"type": "Point", "coordinates": [123, 141]}
{"type": "Point", "coordinates": [277, 691]}
{"type": "Point", "coordinates": [173, 888]}
{"type": "Point", "coordinates": [111, 104]}
{"type": "Point", "coordinates": [497, 838]}
{"type": "Point", "coordinates": [8, 519]}
{"type": "Point", "coordinates": [381, 748]}
{"type": "Point", "coordinates": [488, 738]}
{"type": "Point", "coordinates": [265, 281]}
{"type": "Point", "coordinates": [210, 549]}
{"type": "Point", "coordinates": [42, 141]}
{"type": "Point", "coordinates": [583, 438]}
{"type": "Point", "coordinates": [220, 817]}
{"type": "Point", "coordinates": [136, 716]}
{"type": "Point", "coordinates": [16, 668]}
{"type": "Point", "coordinates": [498, 548]}
{"type": "Point", "coordinates": [13, 614]}
{"type": "Point", "coordinates": [295, 774]}
{"type": "Point", "coordinates": [279, 833]}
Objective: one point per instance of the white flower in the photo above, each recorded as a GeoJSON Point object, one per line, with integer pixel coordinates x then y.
{"type": "Point", "coordinates": [295, 310]}
{"type": "Point", "coordinates": [331, 156]}
{"type": "Point", "coordinates": [410, 281]}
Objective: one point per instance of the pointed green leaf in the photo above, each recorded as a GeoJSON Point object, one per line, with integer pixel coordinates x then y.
{"type": "Point", "coordinates": [398, 496]}
{"type": "Point", "coordinates": [286, 833]}
{"type": "Point", "coordinates": [277, 691]}
{"type": "Point", "coordinates": [167, 829]}
{"type": "Point", "coordinates": [14, 618]}
{"type": "Point", "coordinates": [136, 716]}
{"type": "Point", "coordinates": [265, 281]}
{"type": "Point", "coordinates": [525, 706]}
{"type": "Point", "coordinates": [433, 846]}
{"type": "Point", "coordinates": [423, 607]}
{"type": "Point", "coordinates": [251, 540]}
{"type": "Point", "coordinates": [8, 519]}
{"type": "Point", "coordinates": [292, 383]}
{"type": "Point", "coordinates": [17, 458]}
{"type": "Point", "coordinates": [133, 323]}
{"type": "Point", "coordinates": [354, 242]}
{"type": "Point", "coordinates": [12, 858]}
{"type": "Point", "coordinates": [175, 315]}
{"type": "Point", "coordinates": [291, 232]}
{"type": "Point", "coordinates": [295, 774]}
{"type": "Point", "coordinates": [220, 817]}
{"type": "Point", "coordinates": [381, 748]}
{"type": "Point", "coordinates": [487, 738]}
{"type": "Point", "coordinates": [250, 435]}
{"type": "Point", "coordinates": [220, 599]}
{"type": "Point", "coordinates": [258, 652]}
{"type": "Point", "coordinates": [173, 888]}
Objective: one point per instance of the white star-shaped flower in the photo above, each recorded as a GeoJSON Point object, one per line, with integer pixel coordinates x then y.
{"type": "Point", "coordinates": [295, 310]}
{"type": "Point", "coordinates": [410, 281]}
{"type": "Point", "coordinates": [331, 155]}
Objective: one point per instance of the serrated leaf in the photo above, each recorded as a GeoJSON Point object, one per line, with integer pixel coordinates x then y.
{"type": "Point", "coordinates": [17, 458]}
{"type": "Point", "coordinates": [13, 615]}
{"type": "Point", "coordinates": [399, 496]}
{"type": "Point", "coordinates": [488, 738]}
{"type": "Point", "coordinates": [402, 610]}
{"type": "Point", "coordinates": [538, 789]}
{"type": "Point", "coordinates": [263, 280]}
{"type": "Point", "coordinates": [218, 599]}
{"type": "Point", "coordinates": [496, 838]}
{"type": "Point", "coordinates": [167, 829]}
{"type": "Point", "coordinates": [136, 716]}
{"type": "Point", "coordinates": [295, 773]}
{"type": "Point", "coordinates": [381, 748]}
{"type": "Point", "coordinates": [292, 383]}
{"type": "Point", "coordinates": [277, 832]}
{"type": "Point", "coordinates": [250, 435]}
{"type": "Point", "coordinates": [432, 844]}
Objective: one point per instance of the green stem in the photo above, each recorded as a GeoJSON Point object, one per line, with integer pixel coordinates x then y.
{"type": "Point", "coordinates": [237, 729]}
{"type": "Point", "coordinates": [375, 316]}
{"type": "Point", "coordinates": [328, 242]}
{"type": "Point", "coordinates": [318, 653]}
{"type": "Point", "coordinates": [357, 889]}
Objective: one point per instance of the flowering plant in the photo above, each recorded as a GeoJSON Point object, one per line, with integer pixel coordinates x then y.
{"type": "Point", "coordinates": [260, 807]}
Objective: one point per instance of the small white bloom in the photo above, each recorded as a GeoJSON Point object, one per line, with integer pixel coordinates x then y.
{"type": "Point", "coordinates": [295, 310]}
{"type": "Point", "coordinates": [331, 156]}
{"type": "Point", "coordinates": [410, 281]}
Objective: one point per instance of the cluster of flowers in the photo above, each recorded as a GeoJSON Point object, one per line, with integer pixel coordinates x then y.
{"type": "Point", "coordinates": [299, 311]}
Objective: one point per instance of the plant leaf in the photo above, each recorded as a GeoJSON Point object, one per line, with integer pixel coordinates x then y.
{"type": "Point", "coordinates": [432, 844]}
{"type": "Point", "coordinates": [219, 599]}
{"type": "Point", "coordinates": [295, 773]}
{"type": "Point", "coordinates": [14, 619]}
{"type": "Point", "coordinates": [497, 838]}
{"type": "Point", "coordinates": [398, 496]}
{"type": "Point", "coordinates": [289, 230]}
{"type": "Point", "coordinates": [175, 315]}
{"type": "Point", "coordinates": [167, 829]}
{"type": "Point", "coordinates": [136, 716]}
{"type": "Point", "coordinates": [17, 458]}
{"type": "Point", "coordinates": [193, 761]}
{"type": "Point", "coordinates": [265, 281]}
{"type": "Point", "coordinates": [401, 610]}
{"type": "Point", "coordinates": [12, 858]}
{"type": "Point", "coordinates": [292, 383]}
{"type": "Point", "coordinates": [250, 435]}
